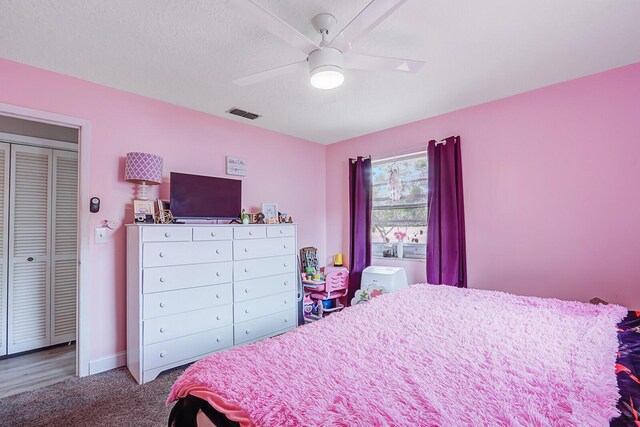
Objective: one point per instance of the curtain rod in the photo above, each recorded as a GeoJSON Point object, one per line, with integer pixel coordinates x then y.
{"type": "Point", "coordinates": [406, 151]}
{"type": "Point", "coordinates": [363, 157]}
{"type": "Point", "coordinates": [444, 141]}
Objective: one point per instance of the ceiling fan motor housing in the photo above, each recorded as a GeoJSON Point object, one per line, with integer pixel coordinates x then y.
{"type": "Point", "coordinates": [325, 57]}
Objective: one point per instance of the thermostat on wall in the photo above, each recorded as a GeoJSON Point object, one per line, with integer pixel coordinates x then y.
{"type": "Point", "coordinates": [94, 205]}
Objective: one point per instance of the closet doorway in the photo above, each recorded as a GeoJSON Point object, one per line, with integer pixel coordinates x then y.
{"type": "Point", "coordinates": [38, 253]}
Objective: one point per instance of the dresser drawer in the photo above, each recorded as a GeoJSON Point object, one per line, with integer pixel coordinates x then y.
{"type": "Point", "coordinates": [212, 233]}
{"type": "Point", "coordinates": [168, 352]}
{"type": "Point", "coordinates": [261, 248]}
{"type": "Point", "coordinates": [252, 309]}
{"type": "Point", "coordinates": [250, 232]}
{"type": "Point", "coordinates": [178, 253]}
{"type": "Point", "coordinates": [254, 329]}
{"type": "Point", "coordinates": [263, 267]}
{"type": "Point", "coordinates": [162, 233]}
{"type": "Point", "coordinates": [160, 279]}
{"type": "Point", "coordinates": [170, 327]}
{"type": "Point", "coordinates": [183, 300]}
{"type": "Point", "coordinates": [256, 288]}
{"type": "Point", "coordinates": [281, 231]}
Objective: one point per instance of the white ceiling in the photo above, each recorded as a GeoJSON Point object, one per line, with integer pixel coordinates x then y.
{"type": "Point", "coordinates": [187, 53]}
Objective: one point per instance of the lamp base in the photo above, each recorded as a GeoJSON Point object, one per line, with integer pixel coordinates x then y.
{"type": "Point", "coordinates": [142, 191]}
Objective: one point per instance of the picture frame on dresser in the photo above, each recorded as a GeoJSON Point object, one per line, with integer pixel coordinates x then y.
{"type": "Point", "coordinates": [144, 207]}
{"type": "Point", "coordinates": [270, 210]}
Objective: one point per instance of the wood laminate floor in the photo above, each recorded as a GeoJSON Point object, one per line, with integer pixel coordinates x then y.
{"type": "Point", "coordinates": [38, 369]}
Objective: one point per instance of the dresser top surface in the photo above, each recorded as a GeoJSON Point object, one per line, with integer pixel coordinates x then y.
{"type": "Point", "coordinates": [211, 225]}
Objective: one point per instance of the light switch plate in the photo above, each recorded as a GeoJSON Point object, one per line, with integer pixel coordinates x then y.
{"type": "Point", "coordinates": [101, 235]}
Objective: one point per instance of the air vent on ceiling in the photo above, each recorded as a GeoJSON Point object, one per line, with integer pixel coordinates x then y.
{"type": "Point", "coordinates": [242, 113]}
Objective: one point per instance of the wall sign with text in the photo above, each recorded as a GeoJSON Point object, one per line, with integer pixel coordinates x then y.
{"type": "Point", "coordinates": [236, 166]}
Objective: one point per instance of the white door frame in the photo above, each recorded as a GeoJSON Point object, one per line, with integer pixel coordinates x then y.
{"type": "Point", "coordinates": [84, 145]}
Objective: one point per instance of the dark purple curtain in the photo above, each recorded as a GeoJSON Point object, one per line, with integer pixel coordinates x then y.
{"type": "Point", "coordinates": [446, 253]}
{"type": "Point", "coordinates": [360, 221]}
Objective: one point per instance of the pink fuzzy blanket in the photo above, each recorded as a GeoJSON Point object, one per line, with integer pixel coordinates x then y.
{"type": "Point", "coordinates": [424, 356]}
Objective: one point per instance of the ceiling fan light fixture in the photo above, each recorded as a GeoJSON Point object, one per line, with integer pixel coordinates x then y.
{"type": "Point", "coordinates": [325, 67]}
{"type": "Point", "coordinates": [327, 77]}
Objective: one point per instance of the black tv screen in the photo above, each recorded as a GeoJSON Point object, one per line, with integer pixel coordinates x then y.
{"type": "Point", "coordinates": [197, 196]}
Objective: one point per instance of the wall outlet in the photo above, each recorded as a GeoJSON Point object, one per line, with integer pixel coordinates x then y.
{"type": "Point", "coordinates": [101, 235]}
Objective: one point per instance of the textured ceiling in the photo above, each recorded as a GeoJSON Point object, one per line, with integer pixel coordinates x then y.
{"type": "Point", "coordinates": [187, 53]}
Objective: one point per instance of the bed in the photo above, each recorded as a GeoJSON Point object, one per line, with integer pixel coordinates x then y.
{"type": "Point", "coordinates": [426, 356]}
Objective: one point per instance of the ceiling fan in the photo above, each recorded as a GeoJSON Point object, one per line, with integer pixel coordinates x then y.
{"type": "Point", "coordinates": [326, 60]}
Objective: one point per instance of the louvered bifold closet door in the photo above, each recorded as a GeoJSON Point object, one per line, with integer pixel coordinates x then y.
{"type": "Point", "coordinates": [64, 246]}
{"type": "Point", "coordinates": [5, 156]}
{"type": "Point", "coordinates": [29, 241]}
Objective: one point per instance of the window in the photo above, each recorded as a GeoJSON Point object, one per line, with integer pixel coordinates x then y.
{"type": "Point", "coordinates": [399, 206]}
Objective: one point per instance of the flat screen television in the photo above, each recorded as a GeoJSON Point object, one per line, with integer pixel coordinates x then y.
{"type": "Point", "coordinates": [205, 197]}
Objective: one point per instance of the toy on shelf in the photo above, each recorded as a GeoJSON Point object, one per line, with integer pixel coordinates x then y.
{"type": "Point", "coordinates": [309, 259]}
{"type": "Point", "coordinates": [308, 306]}
{"type": "Point", "coordinates": [326, 295]}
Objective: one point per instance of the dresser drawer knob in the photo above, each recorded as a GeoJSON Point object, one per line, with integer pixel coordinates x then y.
{"type": "Point", "coordinates": [281, 232]}
{"type": "Point", "coordinates": [161, 254]}
{"type": "Point", "coordinates": [246, 310]}
{"type": "Point", "coordinates": [218, 317]}
{"type": "Point", "coordinates": [163, 354]}
{"type": "Point", "coordinates": [218, 251]}
{"type": "Point", "coordinates": [285, 301]}
{"type": "Point", "coordinates": [246, 290]}
{"type": "Point", "coordinates": [213, 234]}
{"type": "Point", "coordinates": [251, 233]}
{"type": "Point", "coordinates": [285, 265]}
{"type": "Point", "coordinates": [246, 249]}
{"type": "Point", "coordinates": [246, 331]}
{"type": "Point", "coordinates": [246, 270]}
{"type": "Point", "coordinates": [218, 295]}
{"type": "Point", "coordinates": [218, 273]}
{"type": "Point", "coordinates": [286, 283]}
{"type": "Point", "coordinates": [218, 339]}
{"type": "Point", "coordinates": [286, 320]}
{"type": "Point", "coordinates": [162, 304]}
{"type": "Point", "coordinates": [167, 234]}
{"type": "Point", "coordinates": [163, 330]}
{"type": "Point", "coordinates": [284, 246]}
{"type": "Point", "coordinates": [162, 279]}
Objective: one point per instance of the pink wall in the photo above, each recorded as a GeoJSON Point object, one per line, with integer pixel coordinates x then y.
{"type": "Point", "coordinates": [552, 188]}
{"type": "Point", "coordinates": [189, 141]}
{"type": "Point", "coordinates": [551, 181]}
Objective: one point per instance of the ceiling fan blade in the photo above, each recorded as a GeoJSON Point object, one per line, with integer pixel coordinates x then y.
{"type": "Point", "coordinates": [269, 74]}
{"type": "Point", "coordinates": [381, 63]}
{"type": "Point", "coordinates": [376, 12]}
{"type": "Point", "coordinates": [270, 22]}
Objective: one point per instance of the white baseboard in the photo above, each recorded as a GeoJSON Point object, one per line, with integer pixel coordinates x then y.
{"type": "Point", "coordinates": [107, 363]}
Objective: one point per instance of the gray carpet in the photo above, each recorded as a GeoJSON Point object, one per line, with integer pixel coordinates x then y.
{"type": "Point", "coordinates": [112, 398]}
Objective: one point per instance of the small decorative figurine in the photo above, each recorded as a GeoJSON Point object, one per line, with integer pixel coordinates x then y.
{"type": "Point", "coordinates": [259, 218]}
{"type": "Point", "coordinates": [245, 217]}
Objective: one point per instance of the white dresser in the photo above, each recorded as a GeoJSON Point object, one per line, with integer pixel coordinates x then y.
{"type": "Point", "coordinates": [196, 289]}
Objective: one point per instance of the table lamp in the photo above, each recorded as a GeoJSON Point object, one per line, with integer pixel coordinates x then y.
{"type": "Point", "coordinates": [143, 169]}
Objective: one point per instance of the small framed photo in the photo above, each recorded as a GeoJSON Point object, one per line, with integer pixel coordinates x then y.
{"type": "Point", "coordinates": [144, 207]}
{"type": "Point", "coordinates": [270, 210]}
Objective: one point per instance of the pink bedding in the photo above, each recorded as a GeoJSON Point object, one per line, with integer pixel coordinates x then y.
{"type": "Point", "coordinates": [424, 356]}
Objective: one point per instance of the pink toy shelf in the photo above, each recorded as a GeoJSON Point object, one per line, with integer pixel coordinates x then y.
{"type": "Point", "coordinates": [326, 295]}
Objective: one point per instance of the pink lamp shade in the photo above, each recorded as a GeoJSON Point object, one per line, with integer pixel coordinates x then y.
{"type": "Point", "coordinates": [143, 168]}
